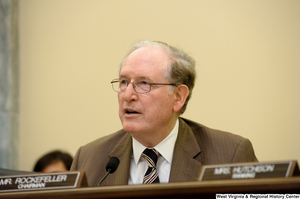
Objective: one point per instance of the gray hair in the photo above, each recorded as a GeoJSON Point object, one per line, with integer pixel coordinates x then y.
{"type": "Point", "coordinates": [181, 69]}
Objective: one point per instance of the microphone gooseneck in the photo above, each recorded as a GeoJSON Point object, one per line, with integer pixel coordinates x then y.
{"type": "Point", "coordinates": [111, 167]}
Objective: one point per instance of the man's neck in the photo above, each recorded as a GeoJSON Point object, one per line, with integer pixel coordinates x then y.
{"type": "Point", "coordinates": [151, 139]}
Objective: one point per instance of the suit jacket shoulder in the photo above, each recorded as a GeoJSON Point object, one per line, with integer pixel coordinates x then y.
{"type": "Point", "coordinates": [220, 147]}
{"type": "Point", "coordinates": [198, 145]}
{"type": "Point", "coordinates": [93, 157]}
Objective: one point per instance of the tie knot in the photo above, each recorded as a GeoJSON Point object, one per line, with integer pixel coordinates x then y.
{"type": "Point", "coordinates": [151, 156]}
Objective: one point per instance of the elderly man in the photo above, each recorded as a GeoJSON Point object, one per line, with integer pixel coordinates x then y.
{"type": "Point", "coordinates": [156, 145]}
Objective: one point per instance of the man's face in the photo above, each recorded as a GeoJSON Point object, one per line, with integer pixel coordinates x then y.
{"type": "Point", "coordinates": [148, 114]}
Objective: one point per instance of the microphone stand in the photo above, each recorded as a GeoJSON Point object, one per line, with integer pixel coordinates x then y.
{"type": "Point", "coordinates": [108, 171]}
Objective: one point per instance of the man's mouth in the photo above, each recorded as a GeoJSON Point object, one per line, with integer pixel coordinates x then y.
{"type": "Point", "coordinates": [131, 112]}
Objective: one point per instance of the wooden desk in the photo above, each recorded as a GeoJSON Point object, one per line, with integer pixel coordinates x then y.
{"type": "Point", "coordinates": [185, 190]}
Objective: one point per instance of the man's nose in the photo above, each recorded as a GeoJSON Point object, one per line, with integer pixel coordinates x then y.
{"type": "Point", "coordinates": [130, 93]}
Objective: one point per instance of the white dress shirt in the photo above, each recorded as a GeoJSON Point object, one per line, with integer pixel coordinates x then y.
{"type": "Point", "coordinates": [139, 165]}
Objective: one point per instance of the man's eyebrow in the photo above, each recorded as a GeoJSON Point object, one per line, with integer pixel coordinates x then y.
{"type": "Point", "coordinates": [123, 76]}
{"type": "Point", "coordinates": [144, 77]}
{"type": "Point", "coordinates": [138, 78]}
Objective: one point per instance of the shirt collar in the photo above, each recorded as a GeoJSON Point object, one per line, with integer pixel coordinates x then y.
{"type": "Point", "coordinates": [165, 147]}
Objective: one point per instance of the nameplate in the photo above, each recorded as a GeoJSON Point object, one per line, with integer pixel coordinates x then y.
{"type": "Point", "coordinates": [42, 181]}
{"type": "Point", "coordinates": [249, 170]}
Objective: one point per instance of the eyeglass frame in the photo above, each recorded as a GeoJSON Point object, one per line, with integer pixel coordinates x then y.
{"type": "Point", "coordinates": [133, 84]}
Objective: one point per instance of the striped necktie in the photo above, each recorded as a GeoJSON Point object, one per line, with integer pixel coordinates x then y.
{"type": "Point", "coordinates": [151, 175]}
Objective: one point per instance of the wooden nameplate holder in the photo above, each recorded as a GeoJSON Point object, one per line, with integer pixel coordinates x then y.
{"type": "Point", "coordinates": [42, 181]}
{"type": "Point", "coordinates": [249, 170]}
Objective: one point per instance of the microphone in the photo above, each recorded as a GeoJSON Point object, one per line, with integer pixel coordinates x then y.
{"type": "Point", "coordinates": [111, 167]}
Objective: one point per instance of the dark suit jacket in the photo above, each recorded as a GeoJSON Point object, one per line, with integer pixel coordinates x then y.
{"type": "Point", "coordinates": [196, 145]}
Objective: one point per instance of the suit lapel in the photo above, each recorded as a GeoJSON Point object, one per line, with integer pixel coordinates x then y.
{"type": "Point", "coordinates": [123, 151]}
{"type": "Point", "coordinates": [184, 165]}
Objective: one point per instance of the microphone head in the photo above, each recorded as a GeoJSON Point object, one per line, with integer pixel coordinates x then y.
{"type": "Point", "coordinates": [112, 164]}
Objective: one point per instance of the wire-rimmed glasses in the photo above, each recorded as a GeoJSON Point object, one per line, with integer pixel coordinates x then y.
{"type": "Point", "coordinates": [140, 86]}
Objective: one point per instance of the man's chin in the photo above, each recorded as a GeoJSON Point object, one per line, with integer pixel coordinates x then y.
{"type": "Point", "coordinates": [131, 127]}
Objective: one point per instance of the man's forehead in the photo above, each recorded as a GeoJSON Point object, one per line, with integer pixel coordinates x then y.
{"type": "Point", "coordinates": [145, 63]}
{"type": "Point", "coordinates": [148, 54]}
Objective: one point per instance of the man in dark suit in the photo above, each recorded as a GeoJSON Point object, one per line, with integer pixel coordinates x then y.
{"type": "Point", "coordinates": [156, 145]}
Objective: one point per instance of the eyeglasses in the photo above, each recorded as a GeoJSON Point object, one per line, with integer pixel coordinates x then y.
{"type": "Point", "coordinates": [140, 86]}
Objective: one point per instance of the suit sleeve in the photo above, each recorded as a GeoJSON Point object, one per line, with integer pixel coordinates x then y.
{"type": "Point", "coordinates": [244, 152]}
{"type": "Point", "coordinates": [74, 165]}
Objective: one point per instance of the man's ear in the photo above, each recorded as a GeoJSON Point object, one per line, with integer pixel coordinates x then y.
{"type": "Point", "coordinates": [180, 93]}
